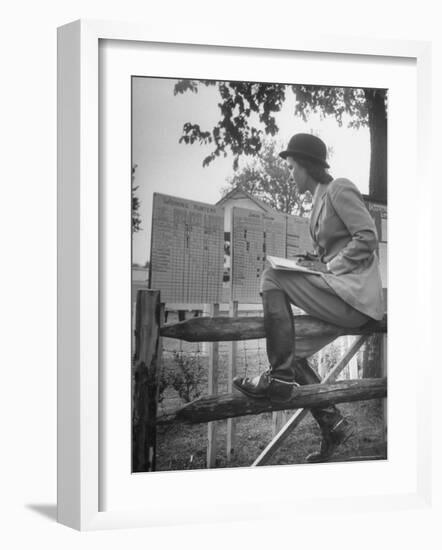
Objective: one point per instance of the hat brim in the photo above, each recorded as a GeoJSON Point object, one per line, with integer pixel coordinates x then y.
{"type": "Point", "coordinates": [294, 154]}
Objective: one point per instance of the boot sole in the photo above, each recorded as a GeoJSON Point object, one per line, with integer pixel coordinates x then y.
{"type": "Point", "coordinates": [323, 458]}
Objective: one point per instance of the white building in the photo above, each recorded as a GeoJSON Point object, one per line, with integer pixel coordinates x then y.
{"type": "Point", "coordinates": [242, 199]}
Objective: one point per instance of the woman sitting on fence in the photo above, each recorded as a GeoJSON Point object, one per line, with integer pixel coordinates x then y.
{"type": "Point", "coordinates": [347, 291]}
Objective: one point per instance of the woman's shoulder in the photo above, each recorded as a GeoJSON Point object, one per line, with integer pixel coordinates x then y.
{"type": "Point", "coordinates": [339, 185]}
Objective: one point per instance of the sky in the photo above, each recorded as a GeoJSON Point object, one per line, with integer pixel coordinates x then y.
{"type": "Point", "coordinates": [166, 166]}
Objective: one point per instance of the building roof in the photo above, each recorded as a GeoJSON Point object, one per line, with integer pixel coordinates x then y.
{"type": "Point", "coordinates": [238, 193]}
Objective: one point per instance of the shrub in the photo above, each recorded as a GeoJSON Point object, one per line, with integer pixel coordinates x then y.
{"type": "Point", "coordinates": [186, 375]}
{"type": "Point", "coordinates": [163, 382]}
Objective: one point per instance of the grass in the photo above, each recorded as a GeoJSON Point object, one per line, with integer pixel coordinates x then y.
{"type": "Point", "coordinates": [183, 447]}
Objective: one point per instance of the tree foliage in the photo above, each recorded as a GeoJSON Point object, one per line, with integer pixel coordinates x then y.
{"type": "Point", "coordinates": [346, 105]}
{"type": "Point", "coordinates": [268, 179]}
{"type": "Point", "coordinates": [136, 218]}
{"type": "Point", "coordinates": [247, 113]}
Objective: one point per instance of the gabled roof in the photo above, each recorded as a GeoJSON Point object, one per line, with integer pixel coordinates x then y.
{"type": "Point", "coordinates": [238, 193]}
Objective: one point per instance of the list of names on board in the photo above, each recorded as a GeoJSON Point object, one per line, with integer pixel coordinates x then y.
{"type": "Point", "coordinates": [379, 214]}
{"type": "Point", "coordinates": [187, 250]}
{"type": "Point", "coordinates": [299, 240]}
{"type": "Point", "coordinates": [254, 235]}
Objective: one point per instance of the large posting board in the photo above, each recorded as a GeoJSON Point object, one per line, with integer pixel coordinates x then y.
{"type": "Point", "coordinates": [378, 212]}
{"type": "Point", "coordinates": [187, 250]}
{"type": "Point", "coordinates": [254, 235]}
{"type": "Point", "coordinates": [299, 240]}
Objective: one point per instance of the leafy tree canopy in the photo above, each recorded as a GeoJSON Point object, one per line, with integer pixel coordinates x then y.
{"type": "Point", "coordinates": [247, 114]}
{"type": "Point", "coordinates": [136, 218]}
{"type": "Point", "coordinates": [268, 179]}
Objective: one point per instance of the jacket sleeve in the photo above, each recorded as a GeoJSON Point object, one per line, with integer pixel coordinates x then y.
{"type": "Point", "coordinates": [349, 206]}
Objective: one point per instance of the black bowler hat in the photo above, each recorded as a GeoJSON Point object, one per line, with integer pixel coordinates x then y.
{"type": "Point", "coordinates": [307, 146]}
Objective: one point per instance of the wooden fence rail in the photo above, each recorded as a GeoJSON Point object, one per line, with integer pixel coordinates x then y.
{"type": "Point", "coordinates": [220, 407]}
{"type": "Point", "coordinates": [219, 329]}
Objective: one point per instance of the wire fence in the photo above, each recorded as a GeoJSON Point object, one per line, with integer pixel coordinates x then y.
{"type": "Point", "coordinates": [184, 365]}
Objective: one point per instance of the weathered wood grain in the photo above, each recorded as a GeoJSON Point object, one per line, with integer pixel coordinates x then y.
{"type": "Point", "coordinates": [147, 359]}
{"type": "Point", "coordinates": [209, 408]}
{"type": "Point", "coordinates": [219, 329]}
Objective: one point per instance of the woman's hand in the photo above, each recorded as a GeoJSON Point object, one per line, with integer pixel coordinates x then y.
{"type": "Point", "coordinates": [308, 256]}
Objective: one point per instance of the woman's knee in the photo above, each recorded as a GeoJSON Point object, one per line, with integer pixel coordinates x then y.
{"type": "Point", "coordinates": [269, 279]}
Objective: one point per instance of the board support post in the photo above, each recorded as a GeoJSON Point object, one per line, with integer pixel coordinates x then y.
{"type": "Point", "coordinates": [384, 369]}
{"type": "Point", "coordinates": [279, 419]}
{"type": "Point", "coordinates": [212, 390]}
{"type": "Point", "coordinates": [353, 369]}
{"type": "Point", "coordinates": [231, 373]}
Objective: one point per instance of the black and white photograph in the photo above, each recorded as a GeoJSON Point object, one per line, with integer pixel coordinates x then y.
{"type": "Point", "coordinates": [216, 216]}
{"type": "Point", "coordinates": [259, 274]}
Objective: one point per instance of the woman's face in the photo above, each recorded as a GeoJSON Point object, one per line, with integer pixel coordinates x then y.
{"type": "Point", "coordinates": [299, 175]}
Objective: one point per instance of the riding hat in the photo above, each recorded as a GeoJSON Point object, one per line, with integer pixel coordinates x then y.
{"type": "Point", "coordinates": [306, 146]}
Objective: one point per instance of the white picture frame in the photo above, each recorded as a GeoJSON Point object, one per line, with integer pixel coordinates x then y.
{"type": "Point", "coordinates": [79, 366]}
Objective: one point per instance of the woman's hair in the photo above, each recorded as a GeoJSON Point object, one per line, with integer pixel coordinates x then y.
{"type": "Point", "coordinates": [314, 170]}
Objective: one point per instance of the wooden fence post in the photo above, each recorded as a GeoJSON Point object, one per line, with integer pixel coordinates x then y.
{"type": "Point", "coordinates": [145, 388]}
{"type": "Point", "coordinates": [384, 373]}
{"type": "Point", "coordinates": [212, 390]}
{"type": "Point", "coordinates": [231, 373]}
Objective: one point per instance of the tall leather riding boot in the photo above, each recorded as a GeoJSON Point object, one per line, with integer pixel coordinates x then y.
{"type": "Point", "coordinates": [335, 429]}
{"type": "Point", "coordinates": [305, 375]}
{"type": "Point", "coordinates": [276, 383]}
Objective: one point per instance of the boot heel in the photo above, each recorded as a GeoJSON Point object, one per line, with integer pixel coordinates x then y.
{"type": "Point", "coordinates": [281, 391]}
